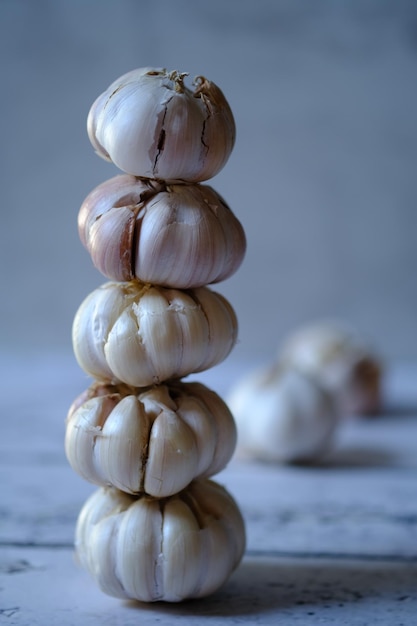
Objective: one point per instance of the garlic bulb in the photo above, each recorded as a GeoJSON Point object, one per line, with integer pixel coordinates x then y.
{"type": "Point", "coordinates": [154, 441]}
{"type": "Point", "coordinates": [282, 416]}
{"type": "Point", "coordinates": [177, 235]}
{"type": "Point", "coordinates": [148, 123]}
{"type": "Point", "coordinates": [147, 549]}
{"type": "Point", "coordinates": [341, 361]}
{"type": "Point", "coordinates": [141, 335]}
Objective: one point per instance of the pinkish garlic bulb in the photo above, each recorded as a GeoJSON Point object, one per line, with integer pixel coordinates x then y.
{"type": "Point", "coordinates": [175, 235]}
{"type": "Point", "coordinates": [148, 123]}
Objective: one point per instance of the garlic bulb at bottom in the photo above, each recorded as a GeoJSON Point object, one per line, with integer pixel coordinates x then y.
{"type": "Point", "coordinates": [141, 334]}
{"type": "Point", "coordinates": [154, 441]}
{"type": "Point", "coordinates": [341, 361]}
{"type": "Point", "coordinates": [148, 123]}
{"type": "Point", "coordinates": [282, 416]}
{"type": "Point", "coordinates": [177, 235]}
{"type": "Point", "coordinates": [170, 549]}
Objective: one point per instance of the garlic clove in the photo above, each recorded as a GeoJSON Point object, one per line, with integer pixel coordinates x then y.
{"type": "Point", "coordinates": [142, 335]}
{"type": "Point", "coordinates": [211, 421]}
{"type": "Point", "coordinates": [282, 416]}
{"type": "Point", "coordinates": [184, 550]}
{"type": "Point", "coordinates": [155, 440]}
{"type": "Point", "coordinates": [100, 102]}
{"type": "Point", "coordinates": [218, 562]}
{"type": "Point", "coordinates": [218, 312]}
{"type": "Point", "coordinates": [149, 124]}
{"type": "Point", "coordinates": [172, 455]}
{"type": "Point", "coordinates": [100, 518]}
{"type": "Point", "coordinates": [82, 437]}
{"type": "Point", "coordinates": [137, 556]}
{"type": "Point", "coordinates": [99, 312]}
{"type": "Point", "coordinates": [121, 450]}
{"type": "Point", "coordinates": [177, 235]}
{"type": "Point", "coordinates": [184, 546]}
{"type": "Point", "coordinates": [341, 360]}
{"type": "Point", "coordinates": [117, 228]}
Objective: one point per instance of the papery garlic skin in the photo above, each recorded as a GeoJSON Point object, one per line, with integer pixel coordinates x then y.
{"type": "Point", "coordinates": [141, 335]}
{"type": "Point", "coordinates": [154, 441]}
{"type": "Point", "coordinates": [341, 360]}
{"type": "Point", "coordinates": [282, 416]}
{"type": "Point", "coordinates": [170, 549]}
{"type": "Point", "coordinates": [148, 123]}
{"type": "Point", "coordinates": [179, 236]}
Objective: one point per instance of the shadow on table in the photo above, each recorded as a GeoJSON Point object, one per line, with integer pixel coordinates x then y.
{"type": "Point", "coordinates": [264, 585]}
{"type": "Point", "coordinates": [378, 455]}
{"type": "Point", "coordinates": [359, 457]}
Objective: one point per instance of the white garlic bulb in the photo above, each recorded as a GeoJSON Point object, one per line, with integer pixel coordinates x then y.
{"type": "Point", "coordinates": [148, 123]}
{"type": "Point", "coordinates": [141, 334]}
{"type": "Point", "coordinates": [282, 416]}
{"type": "Point", "coordinates": [171, 549]}
{"type": "Point", "coordinates": [154, 441]}
{"type": "Point", "coordinates": [341, 360]}
{"type": "Point", "coordinates": [176, 235]}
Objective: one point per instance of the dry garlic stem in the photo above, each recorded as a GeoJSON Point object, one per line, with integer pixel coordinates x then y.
{"type": "Point", "coordinates": [142, 335]}
{"type": "Point", "coordinates": [147, 549]}
{"type": "Point", "coordinates": [155, 441]}
{"type": "Point", "coordinates": [282, 416]}
{"type": "Point", "coordinates": [177, 235]}
{"type": "Point", "coordinates": [148, 123]}
{"type": "Point", "coordinates": [340, 359]}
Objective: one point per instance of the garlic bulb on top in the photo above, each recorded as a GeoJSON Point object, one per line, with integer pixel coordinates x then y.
{"type": "Point", "coordinates": [177, 235]}
{"type": "Point", "coordinates": [282, 416]}
{"type": "Point", "coordinates": [141, 334]}
{"type": "Point", "coordinates": [148, 123]}
{"type": "Point", "coordinates": [170, 549]}
{"type": "Point", "coordinates": [341, 360]}
{"type": "Point", "coordinates": [153, 440]}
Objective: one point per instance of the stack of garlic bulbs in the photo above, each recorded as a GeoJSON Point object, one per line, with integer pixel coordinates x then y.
{"type": "Point", "coordinates": [158, 528]}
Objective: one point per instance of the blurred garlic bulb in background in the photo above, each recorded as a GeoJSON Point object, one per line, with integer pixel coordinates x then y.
{"type": "Point", "coordinates": [141, 335]}
{"type": "Point", "coordinates": [154, 441]}
{"type": "Point", "coordinates": [282, 416]}
{"type": "Point", "coordinates": [177, 235]}
{"type": "Point", "coordinates": [341, 360]}
{"type": "Point", "coordinates": [148, 549]}
{"type": "Point", "coordinates": [148, 123]}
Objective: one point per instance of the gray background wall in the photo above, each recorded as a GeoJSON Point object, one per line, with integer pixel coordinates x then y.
{"type": "Point", "coordinates": [323, 175]}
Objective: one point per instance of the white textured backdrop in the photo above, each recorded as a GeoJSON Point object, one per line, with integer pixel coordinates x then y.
{"type": "Point", "coordinates": [323, 175]}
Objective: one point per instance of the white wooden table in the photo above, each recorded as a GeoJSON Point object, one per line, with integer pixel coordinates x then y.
{"type": "Point", "coordinates": [334, 544]}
